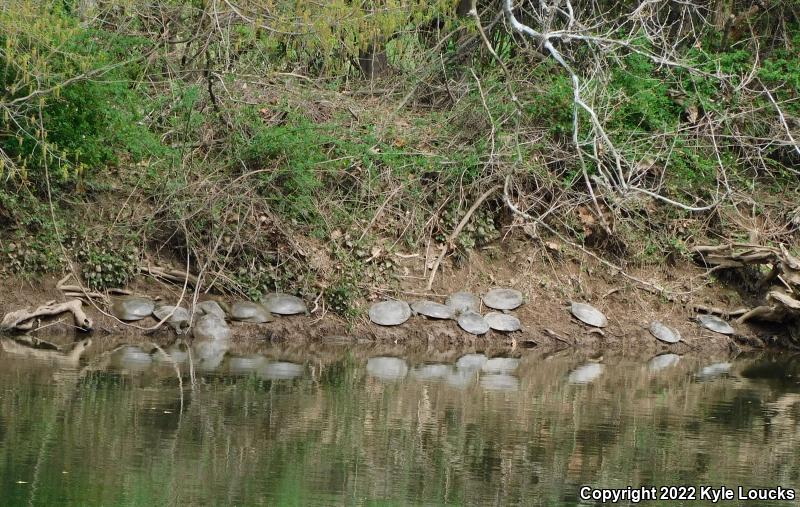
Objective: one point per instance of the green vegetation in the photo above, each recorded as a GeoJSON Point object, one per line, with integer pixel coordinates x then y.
{"type": "Point", "coordinates": [249, 146]}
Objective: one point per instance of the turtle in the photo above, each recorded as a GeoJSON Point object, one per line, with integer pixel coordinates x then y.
{"type": "Point", "coordinates": [211, 327]}
{"type": "Point", "coordinates": [281, 370]}
{"type": "Point", "coordinates": [463, 301]}
{"type": "Point", "coordinates": [247, 311]}
{"type": "Point", "coordinates": [471, 362]}
{"type": "Point", "coordinates": [500, 365]}
{"type": "Point", "coordinates": [503, 299]}
{"type": "Point", "coordinates": [499, 382]}
{"type": "Point", "coordinates": [387, 368]}
{"type": "Point", "coordinates": [473, 323]}
{"type": "Point", "coordinates": [431, 371]}
{"type": "Point", "coordinates": [432, 310]}
{"type": "Point", "coordinates": [210, 307]}
{"type": "Point", "coordinates": [389, 313]}
{"type": "Point", "coordinates": [585, 373]}
{"type": "Point", "coordinates": [284, 304]}
{"type": "Point", "coordinates": [177, 317]}
{"type": "Point", "coordinates": [131, 308]}
{"type": "Point", "coordinates": [715, 324]}
{"type": "Point", "coordinates": [502, 322]}
{"type": "Point", "coordinates": [662, 361]}
{"type": "Point", "coordinates": [664, 333]}
{"type": "Point", "coordinates": [588, 314]}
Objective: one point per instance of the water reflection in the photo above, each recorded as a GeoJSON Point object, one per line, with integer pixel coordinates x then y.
{"type": "Point", "coordinates": [345, 425]}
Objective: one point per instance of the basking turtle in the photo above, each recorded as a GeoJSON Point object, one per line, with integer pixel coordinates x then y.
{"type": "Point", "coordinates": [131, 308]}
{"type": "Point", "coordinates": [210, 307]}
{"type": "Point", "coordinates": [284, 304]}
{"type": "Point", "coordinates": [387, 368]}
{"type": "Point", "coordinates": [588, 314]}
{"type": "Point", "coordinates": [432, 310]}
{"type": "Point", "coordinates": [473, 323]}
{"type": "Point", "coordinates": [663, 361]}
{"type": "Point", "coordinates": [211, 327]}
{"type": "Point", "coordinates": [715, 324]}
{"type": "Point", "coordinates": [247, 311]}
{"type": "Point", "coordinates": [389, 313]}
{"type": "Point", "coordinates": [500, 365]}
{"type": "Point", "coordinates": [178, 320]}
{"type": "Point", "coordinates": [471, 362]}
{"type": "Point", "coordinates": [585, 373]}
{"type": "Point", "coordinates": [502, 322]}
{"type": "Point", "coordinates": [463, 302]}
{"type": "Point", "coordinates": [503, 299]}
{"type": "Point", "coordinates": [664, 333]}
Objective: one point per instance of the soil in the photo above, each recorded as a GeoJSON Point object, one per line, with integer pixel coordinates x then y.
{"type": "Point", "coordinates": [549, 277]}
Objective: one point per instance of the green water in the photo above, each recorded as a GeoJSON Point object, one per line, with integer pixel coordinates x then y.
{"type": "Point", "coordinates": [336, 426]}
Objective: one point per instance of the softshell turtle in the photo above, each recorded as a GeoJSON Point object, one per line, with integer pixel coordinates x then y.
{"type": "Point", "coordinates": [500, 365]}
{"type": "Point", "coordinates": [502, 322]}
{"type": "Point", "coordinates": [585, 373]}
{"type": "Point", "coordinates": [663, 361]}
{"type": "Point", "coordinates": [38, 349]}
{"type": "Point", "coordinates": [499, 382]}
{"type": "Point", "coordinates": [131, 308]}
{"type": "Point", "coordinates": [211, 327]}
{"type": "Point", "coordinates": [664, 333]}
{"type": "Point", "coordinates": [281, 370]}
{"type": "Point", "coordinates": [588, 314]}
{"type": "Point", "coordinates": [284, 304]}
{"type": "Point", "coordinates": [471, 361]}
{"type": "Point", "coordinates": [247, 311]}
{"type": "Point", "coordinates": [389, 313]}
{"type": "Point", "coordinates": [463, 301]}
{"type": "Point", "coordinates": [210, 307]}
{"type": "Point", "coordinates": [179, 320]}
{"type": "Point", "coordinates": [503, 299]}
{"type": "Point", "coordinates": [715, 324]}
{"type": "Point", "coordinates": [473, 323]}
{"type": "Point", "coordinates": [433, 310]}
{"type": "Point", "coordinates": [387, 368]}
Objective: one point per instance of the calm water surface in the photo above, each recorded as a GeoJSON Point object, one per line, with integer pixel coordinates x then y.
{"type": "Point", "coordinates": [359, 426]}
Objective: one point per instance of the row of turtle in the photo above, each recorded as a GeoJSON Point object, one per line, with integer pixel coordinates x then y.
{"type": "Point", "coordinates": [463, 307]}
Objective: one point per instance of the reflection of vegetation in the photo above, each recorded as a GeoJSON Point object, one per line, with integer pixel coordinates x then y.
{"type": "Point", "coordinates": [343, 437]}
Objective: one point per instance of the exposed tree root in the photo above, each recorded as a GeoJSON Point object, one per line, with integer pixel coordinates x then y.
{"type": "Point", "coordinates": [23, 320]}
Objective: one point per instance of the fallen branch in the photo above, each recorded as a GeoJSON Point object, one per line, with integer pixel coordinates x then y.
{"type": "Point", "coordinates": [22, 320]}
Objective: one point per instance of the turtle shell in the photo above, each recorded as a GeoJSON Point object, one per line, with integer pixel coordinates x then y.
{"type": "Point", "coordinates": [210, 308]}
{"type": "Point", "coordinates": [503, 299]}
{"type": "Point", "coordinates": [284, 304]}
{"type": "Point", "coordinates": [664, 333]}
{"type": "Point", "coordinates": [247, 311]}
{"type": "Point", "coordinates": [588, 314]}
{"type": "Point", "coordinates": [179, 320]}
{"type": "Point", "coordinates": [211, 327]}
{"type": "Point", "coordinates": [131, 308]}
{"type": "Point", "coordinates": [463, 301]}
{"type": "Point", "coordinates": [502, 322]}
{"type": "Point", "coordinates": [387, 368]}
{"type": "Point", "coordinates": [389, 313]}
{"type": "Point", "coordinates": [473, 323]}
{"type": "Point", "coordinates": [715, 324]}
{"type": "Point", "coordinates": [433, 310]}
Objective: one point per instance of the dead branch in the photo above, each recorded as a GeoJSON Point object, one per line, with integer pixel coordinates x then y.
{"type": "Point", "coordinates": [22, 320]}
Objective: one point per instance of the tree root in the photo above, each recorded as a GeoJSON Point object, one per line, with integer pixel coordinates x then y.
{"type": "Point", "coordinates": [22, 320]}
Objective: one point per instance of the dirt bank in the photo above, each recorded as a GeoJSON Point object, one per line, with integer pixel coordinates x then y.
{"type": "Point", "coordinates": [549, 280]}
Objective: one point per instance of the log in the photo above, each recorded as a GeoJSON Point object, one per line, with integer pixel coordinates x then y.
{"type": "Point", "coordinates": [22, 320]}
